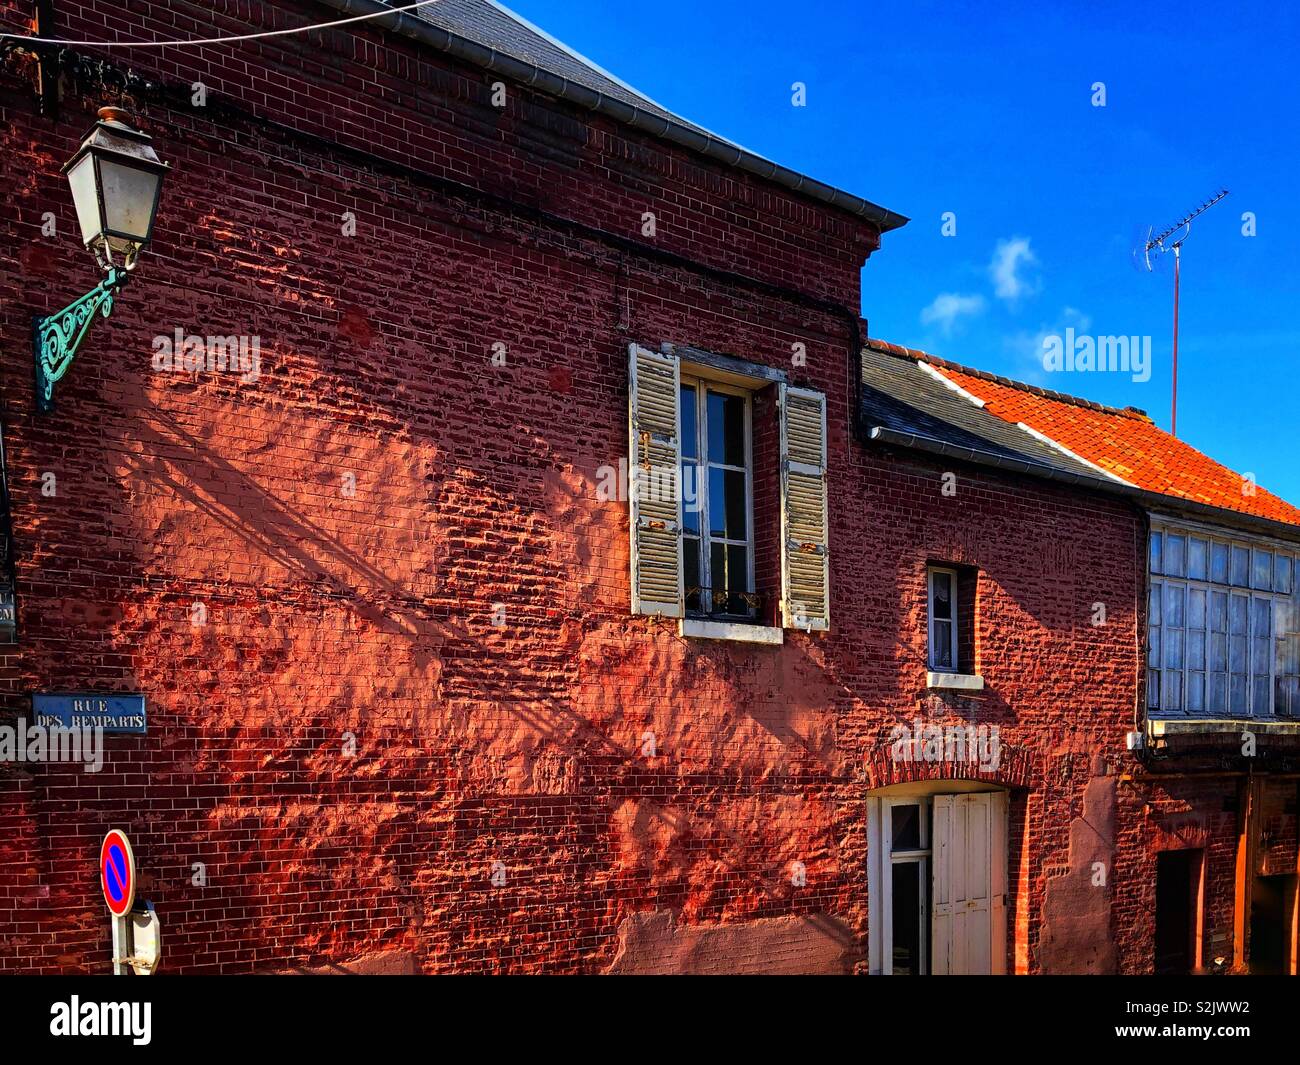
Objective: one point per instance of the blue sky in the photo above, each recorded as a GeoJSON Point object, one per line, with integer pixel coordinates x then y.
{"type": "Point", "coordinates": [986, 111]}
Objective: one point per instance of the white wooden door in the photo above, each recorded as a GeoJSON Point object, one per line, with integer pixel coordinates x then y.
{"type": "Point", "coordinates": [968, 914]}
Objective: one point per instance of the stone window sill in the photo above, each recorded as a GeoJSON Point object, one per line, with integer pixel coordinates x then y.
{"type": "Point", "coordinates": [962, 682]}
{"type": "Point", "coordinates": [735, 631]}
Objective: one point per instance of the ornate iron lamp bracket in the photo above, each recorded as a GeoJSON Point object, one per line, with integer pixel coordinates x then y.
{"type": "Point", "coordinates": [58, 338]}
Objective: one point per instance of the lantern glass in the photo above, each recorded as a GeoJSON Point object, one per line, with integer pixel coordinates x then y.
{"type": "Point", "coordinates": [85, 197]}
{"type": "Point", "coordinates": [130, 197]}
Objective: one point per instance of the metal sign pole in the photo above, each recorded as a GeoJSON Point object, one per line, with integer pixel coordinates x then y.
{"type": "Point", "coordinates": [121, 945]}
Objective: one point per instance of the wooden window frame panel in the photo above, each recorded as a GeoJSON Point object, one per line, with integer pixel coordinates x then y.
{"type": "Point", "coordinates": [701, 386]}
{"type": "Point", "coordinates": [955, 642]}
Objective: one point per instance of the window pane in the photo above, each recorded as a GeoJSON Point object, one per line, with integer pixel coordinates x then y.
{"type": "Point", "coordinates": [1289, 656]}
{"type": "Point", "coordinates": [1282, 574]}
{"type": "Point", "coordinates": [1237, 654]}
{"type": "Point", "coordinates": [1240, 566]}
{"type": "Point", "coordinates": [1219, 653]}
{"type": "Point", "coordinates": [1155, 646]}
{"type": "Point", "coordinates": [1195, 692]}
{"type": "Point", "coordinates": [905, 828]}
{"type": "Point", "coordinates": [726, 429]}
{"type": "Point", "coordinates": [1173, 640]}
{"type": "Point", "coordinates": [1261, 570]}
{"type": "Point", "coordinates": [1153, 688]}
{"type": "Point", "coordinates": [1157, 545]}
{"type": "Point", "coordinates": [689, 423]}
{"type": "Point", "coordinates": [727, 517]}
{"type": "Point", "coordinates": [942, 651]}
{"type": "Point", "coordinates": [1286, 616]}
{"type": "Point", "coordinates": [1198, 559]}
{"type": "Point", "coordinates": [691, 497]}
{"type": "Point", "coordinates": [1171, 687]}
{"type": "Point", "coordinates": [1261, 616]}
{"type": "Point", "coordinates": [1174, 598]}
{"type": "Point", "coordinates": [941, 594]}
{"type": "Point", "coordinates": [1260, 657]}
{"type": "Point", "coordinates": [1218, 693]}
{"type": "Point", "coordinates": [691, 572]}
{"type": "Point", "coordinates": [1237, 615]}
{"type": "Point", "coordinates": [1195, 649]}
{"type": "Point", "coordinates": [1174, 549]}
{"type": "Point", "coordinates": [1196, 608]}
{"type": "Point", "coordinates": [1219, 563]}
{"type": "Point", "coordinates": [905, 887]}
{"type": "Point", "coordinates": [1287, 697]}
{"type": "Point", "coordinates": [1153, 604]}
{"type": "Point", "coordinates": [1237, 695]}
{"type": "Point", "coordinates": [1219, 611]}
{"type": "Point", "coordinates": [1261, 692]}
{"type": "Point", "coordinates": [737, 580]}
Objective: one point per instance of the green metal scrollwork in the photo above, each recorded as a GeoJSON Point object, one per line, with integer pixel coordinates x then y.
{"type": "Point", "coordinates": [58, 338]}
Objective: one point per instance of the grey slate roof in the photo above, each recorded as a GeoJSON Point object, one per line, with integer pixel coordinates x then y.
{"type": "Point", "coordinates": [488, 35]}
{"type": "Point", "coordinates": [898, 395]}
{"type": "Point", "coordinates": [493, 26]}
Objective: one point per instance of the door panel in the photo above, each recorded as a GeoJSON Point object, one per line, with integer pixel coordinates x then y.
{"type": "Point", "coordinates": [968, 871]}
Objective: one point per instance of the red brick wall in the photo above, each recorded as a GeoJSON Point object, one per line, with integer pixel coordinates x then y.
{"type": "Point", "coordinates": [332, 618]}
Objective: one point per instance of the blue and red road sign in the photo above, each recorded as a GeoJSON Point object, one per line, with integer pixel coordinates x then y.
{"type": "Point", "coordinates": [117, 873]}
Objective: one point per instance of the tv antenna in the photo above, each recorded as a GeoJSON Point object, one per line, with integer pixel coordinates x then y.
{"type": "Point", "coordinates": [1148, 254]}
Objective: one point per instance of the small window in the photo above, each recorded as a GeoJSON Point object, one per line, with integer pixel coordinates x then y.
{"type": "Point", "coordinates": [943, 619]}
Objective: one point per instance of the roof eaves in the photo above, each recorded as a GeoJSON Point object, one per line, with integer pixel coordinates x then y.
{"type": "Point", "coordinates": [674, 131]}
{"type": "Point", "coordinates": [1148, 500]}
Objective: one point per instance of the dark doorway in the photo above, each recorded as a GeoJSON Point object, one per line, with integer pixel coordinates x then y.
{"type": "Point", "coordinates": [1269, 924]}
{"type": "Point", "coordinates": [1178, 877]}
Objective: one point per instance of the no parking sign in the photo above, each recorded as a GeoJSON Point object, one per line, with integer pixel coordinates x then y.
{"type": "Point", "coordinates": [117, 873]}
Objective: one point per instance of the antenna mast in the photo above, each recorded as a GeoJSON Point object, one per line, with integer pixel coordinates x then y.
{"type": "Point", "coordinates": [1172, 240]}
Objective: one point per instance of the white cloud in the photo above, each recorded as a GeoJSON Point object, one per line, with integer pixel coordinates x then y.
{"type": "Point", "coordinates": [1012, 269]}
{"type": "Point", "coordinates": [948, 307]}
{"type": "Point", "coordinates": [1026, 346]}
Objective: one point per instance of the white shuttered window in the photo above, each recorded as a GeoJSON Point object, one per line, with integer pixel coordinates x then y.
{"type": "Point", "coordinates": [673, 424]}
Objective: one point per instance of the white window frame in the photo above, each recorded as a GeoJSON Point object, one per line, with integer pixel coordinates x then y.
{"type": "Point", "coordinates": [921, 857]}
{"type": "Point", "coordinates": [931, 646]}
{"type": "Point", "coordinates": [701, 386]}
{"type": "Point", "coordinates": [1157, 582]}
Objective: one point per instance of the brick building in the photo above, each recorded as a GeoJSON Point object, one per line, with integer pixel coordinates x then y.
{"type": "Point", "coordinates": [566, 587]}
{"type": "Point", "coordinates": [1209, 863]}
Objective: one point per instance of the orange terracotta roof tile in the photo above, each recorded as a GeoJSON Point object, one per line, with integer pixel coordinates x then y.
{"type": "Point", "coordinates": [1124, 442]}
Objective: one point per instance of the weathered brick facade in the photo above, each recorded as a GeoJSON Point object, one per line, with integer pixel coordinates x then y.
{"type": "Point", "coordinates": [390, 540]}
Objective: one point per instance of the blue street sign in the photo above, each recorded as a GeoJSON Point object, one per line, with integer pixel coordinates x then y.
{"type": "Point", "coordinates": [82, 710]}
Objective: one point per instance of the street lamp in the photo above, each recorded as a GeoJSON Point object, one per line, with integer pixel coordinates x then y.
{"type": "Point", "coordinates": [116, 179]}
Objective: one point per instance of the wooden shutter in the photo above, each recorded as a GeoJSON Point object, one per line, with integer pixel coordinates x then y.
{"type": "Point", "coordinates": [805, 565]}
{"type": "Point", "coordinates": [654, 471]}
{"type": "Point", "coordinates": [969, 854]}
